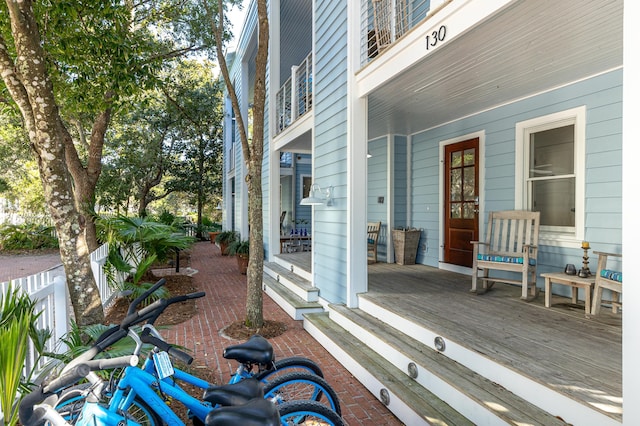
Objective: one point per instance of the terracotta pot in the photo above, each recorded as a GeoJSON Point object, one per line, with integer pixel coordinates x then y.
{"type": "Point", "coordinates": [243, 263]}
{"type": "Point", "coordinates": [223, 248]}
{"type": "Point", "coordinates": [212, 236]}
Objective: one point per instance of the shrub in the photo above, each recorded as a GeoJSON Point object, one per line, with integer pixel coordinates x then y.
{"type": "Point", "coordinates": [238, 247]}
{"type": "Point", "coordinates": [27, 237]}
{"type": "Point", "coordinates": [226, 237]}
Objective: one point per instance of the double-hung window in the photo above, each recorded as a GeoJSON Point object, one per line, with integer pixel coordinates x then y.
{"type": "Point", "coordinates": [550, 158]}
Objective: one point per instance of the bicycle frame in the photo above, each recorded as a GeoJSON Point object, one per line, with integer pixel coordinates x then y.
{"type": "Point", "coordinates": [138, 382]}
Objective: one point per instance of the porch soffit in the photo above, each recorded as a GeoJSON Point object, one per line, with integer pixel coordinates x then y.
{"type": "Point", "coordinates": [523, 49]}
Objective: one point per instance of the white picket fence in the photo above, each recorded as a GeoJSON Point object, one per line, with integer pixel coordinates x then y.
{"type": "Point", "coordinates": [49, 290]}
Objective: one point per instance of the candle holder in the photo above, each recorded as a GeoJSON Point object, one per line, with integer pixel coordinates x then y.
{"type": "Point", "coordinates": [585, 272]}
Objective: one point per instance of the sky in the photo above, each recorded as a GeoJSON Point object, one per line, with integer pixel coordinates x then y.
{"type": "Point", "coordinates": [237, 18]}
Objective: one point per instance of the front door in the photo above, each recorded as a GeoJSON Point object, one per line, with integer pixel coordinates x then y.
{"type": "Point", "coordinates": [461, 201]}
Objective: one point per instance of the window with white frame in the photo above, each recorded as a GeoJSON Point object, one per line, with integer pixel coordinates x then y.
{"type": "Point", "coordinates": [550, 158]}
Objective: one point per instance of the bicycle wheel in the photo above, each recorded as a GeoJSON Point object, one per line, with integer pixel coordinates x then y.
{"type": "Point", "coordinates": [290, 365]}
{"type": "Point", "coordinates": [72, 399]}
{"type": "Point", "coordinates": [301, 387]}
{"type": "Point", "coordinates": [308, 413]}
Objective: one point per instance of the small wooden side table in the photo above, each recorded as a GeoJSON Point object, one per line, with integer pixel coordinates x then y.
{"type": "Point", "coordinates": [571, 280]}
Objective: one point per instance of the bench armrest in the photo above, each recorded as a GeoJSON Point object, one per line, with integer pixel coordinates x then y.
{"type": "Point", "coordinates": [607, 254]}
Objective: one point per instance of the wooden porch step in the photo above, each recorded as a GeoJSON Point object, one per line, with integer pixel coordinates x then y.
{"type": "Point", "coordinates": [292, 304]}
{"type": "Point", "coordinates": [297, 284]}
{"type": "Point", "coordinates": [410, 402]}
{"type": "Point", "coordinates": [474, 396]}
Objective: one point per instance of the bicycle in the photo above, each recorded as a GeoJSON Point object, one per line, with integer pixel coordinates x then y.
{"type": "Point", "coordinates": [257, 411]}
{"type": "Point", "coordinates": [287, 387]}
{"type": "Point", "coordinates": [137, 391]}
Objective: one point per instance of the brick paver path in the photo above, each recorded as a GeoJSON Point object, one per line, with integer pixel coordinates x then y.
{"type": "Point", "coordinates": [225, 302]}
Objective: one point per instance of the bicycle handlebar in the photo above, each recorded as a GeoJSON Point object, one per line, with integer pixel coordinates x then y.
{"type": "Point", "coordinates": [136, 302]}
{"type": "Point", "coordinates": [26, 411]}
{"type": "Point", "coordinates": [149, 314]}
{"type": "Point", "coordinates": [146, 337]}
{"type": "Point", "coordinates": [153, 316]}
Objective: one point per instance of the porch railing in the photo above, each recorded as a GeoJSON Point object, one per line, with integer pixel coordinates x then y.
{"type": "Point", "coordinates": [385, 21]}
{"type": "Point", "coordinates": [294, 99]}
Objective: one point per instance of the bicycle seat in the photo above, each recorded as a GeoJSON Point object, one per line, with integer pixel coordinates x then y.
{"type": "Point", "coordinates": [256, 350]}
{"type": "Point", "coordinates": [257, 412]}
{"type": "Point", "coordinates": [236, 394]}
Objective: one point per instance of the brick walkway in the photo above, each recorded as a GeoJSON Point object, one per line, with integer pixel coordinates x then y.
{"type": "Point", "coordinates": [19, 266]}
{"type": "Point", "coordinates": [224, 303]}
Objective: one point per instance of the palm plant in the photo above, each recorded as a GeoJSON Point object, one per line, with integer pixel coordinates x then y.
{"type": "Point", "coordinates": [135, 244]}
{"type": "Point", "coordinates": [17, 327]}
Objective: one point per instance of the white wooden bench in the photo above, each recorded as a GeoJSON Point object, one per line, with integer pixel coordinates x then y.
{"type": "Point", "coordinates": [511, 245]}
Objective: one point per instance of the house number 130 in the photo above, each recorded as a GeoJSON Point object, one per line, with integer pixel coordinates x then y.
{"type": "Point", "coordinates": [436, 37]}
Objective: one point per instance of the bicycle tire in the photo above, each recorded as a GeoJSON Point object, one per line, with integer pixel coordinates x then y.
{"type": "Point", "coordinates": [308, 412]}
{"type": "Point", "coordinates": [71, 402]}
{"type": "Point", "coordinates": [302, 387]}
{"type": "Point", "coordinates": [290, 365]}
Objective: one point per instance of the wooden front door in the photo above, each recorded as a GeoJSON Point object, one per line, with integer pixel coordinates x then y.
{"type": "Point", "coordinates": [461, 201]}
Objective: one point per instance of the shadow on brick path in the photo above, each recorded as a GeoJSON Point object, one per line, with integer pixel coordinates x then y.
{"type": "Point", "coordinates": [224, 303]}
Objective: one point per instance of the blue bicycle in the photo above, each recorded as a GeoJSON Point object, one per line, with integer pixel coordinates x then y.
{"type": "Point", "coordinates": [139, 395]}
{"type": "Point", "coordinates": [37, 407]}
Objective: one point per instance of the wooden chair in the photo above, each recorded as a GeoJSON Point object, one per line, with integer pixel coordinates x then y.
{"type": "Point", "coordinates": [373, 232]}
{"type": "Point", "coordinates": [606, 278]}
{"type": "Point", "coordinates": [282, 216]}
{"type": "Point", "coordinates": [511, 245]}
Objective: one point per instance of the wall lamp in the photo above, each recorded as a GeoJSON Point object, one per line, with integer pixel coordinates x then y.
{"type": "Point", "coordinates": [318, 196]}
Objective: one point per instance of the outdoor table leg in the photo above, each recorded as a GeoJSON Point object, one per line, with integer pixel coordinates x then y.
{"type": "Point", "coordinates": [547, 292]}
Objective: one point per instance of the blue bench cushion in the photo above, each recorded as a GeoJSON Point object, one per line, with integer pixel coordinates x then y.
{"type": "Point", "coordinates": [504, 259]}
{"type": "Point", "coordinates": [611, 275]}
{"type": "Point", "coordinates": [370, 241]}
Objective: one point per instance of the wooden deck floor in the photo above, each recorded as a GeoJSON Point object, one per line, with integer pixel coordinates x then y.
{"type": "Point", "coordinates": [555, 346]}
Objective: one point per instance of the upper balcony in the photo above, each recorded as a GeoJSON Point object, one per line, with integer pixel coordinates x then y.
{"type": "Point", "coordinates": [294, 99]}
{"type": "Point", "coordinates": [383, 22]}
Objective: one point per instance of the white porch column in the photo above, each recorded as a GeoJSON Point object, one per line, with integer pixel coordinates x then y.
{"type": "Point", "coordinates": [272, 223]}
{"type": "Point", "coordinates": [631, 250]}
{"type": "Point", "coordinates": [357, 169]}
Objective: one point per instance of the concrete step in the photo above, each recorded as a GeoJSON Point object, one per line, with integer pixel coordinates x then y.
{"type": "Point", "coordinates": [298, 285]}
{"type": "Point", "coordinates": [292, 304]}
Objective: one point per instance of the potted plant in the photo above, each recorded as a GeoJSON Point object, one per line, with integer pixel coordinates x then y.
{"type": "Point", "coordinates": [224, 238]}
{"type": "Point", "coordinates": [240, 249]}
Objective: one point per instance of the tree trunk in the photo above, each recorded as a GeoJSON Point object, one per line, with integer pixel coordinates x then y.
{"type": "Point", "coordinates": [254, 166]}
{"type": "Point", "coordinates": [252, 154]}
{"type": "Point", "coordinates": [29, 85]}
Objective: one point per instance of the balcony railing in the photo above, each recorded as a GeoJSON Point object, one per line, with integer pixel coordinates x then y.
{"type": "Point", "coordinates": [231, 158]}
{"type": "Point", "coordinates": [385, 21]}
{"type": "Point", "coordinates": [294, 99]}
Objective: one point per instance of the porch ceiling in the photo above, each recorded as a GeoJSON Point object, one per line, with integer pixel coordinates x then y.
{"type": "Point", "coordinates": [528, 47]}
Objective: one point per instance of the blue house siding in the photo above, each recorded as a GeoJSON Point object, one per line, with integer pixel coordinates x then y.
{"type": "Point", "coordinates": [266, 171]}
{"type": "Point", "coordinates": [400, 190]}
{"type": "Point", "coordinates": [602, 96]}
{"type": "Point", "coordinates": [330, 148]}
